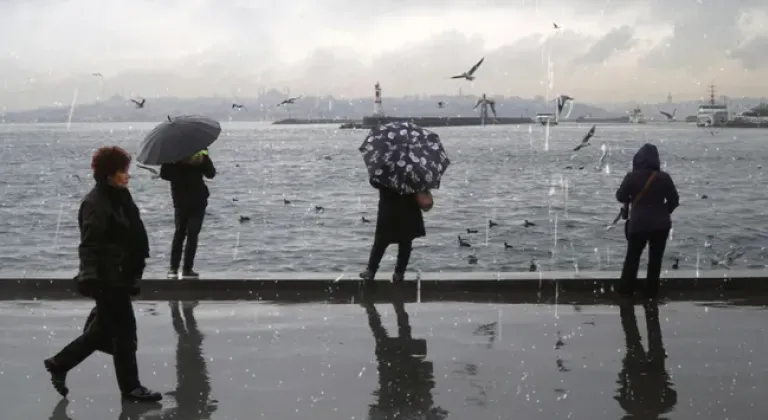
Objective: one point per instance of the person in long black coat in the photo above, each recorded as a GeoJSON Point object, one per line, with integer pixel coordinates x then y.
{"type": "Point", "coordinates": [113, 249]}
{"type": "Point", "coordinates": [399, 221]}
{"type": "Point", "coordinates": [190, 199]}
{"type": "Point", "coordinates": [649, 217]}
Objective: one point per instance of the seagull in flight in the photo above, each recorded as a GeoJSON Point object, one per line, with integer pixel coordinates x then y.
{"type": "Point", "coordinates": [561, 101]}
{"type": "Point", "coordinates": [97, 75]}
{"type": "Point", "coordinates": [670, 117]}
{"type": "Point", "coordinates": [289, 101]}
{"type": "Point", "coordinates": [555, 25]}
{"type": "Point", "coordinates": [441, 104]}
{"type": "Point", "coordinates": [139, 105]}
{"type": "Point", "coordinates": [469, 74]}
{"type": "Point", "coordinates": [585, 140]}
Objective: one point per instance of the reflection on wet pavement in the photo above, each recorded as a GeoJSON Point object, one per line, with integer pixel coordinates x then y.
{"type": "Point", "coordinates": [391, 360]}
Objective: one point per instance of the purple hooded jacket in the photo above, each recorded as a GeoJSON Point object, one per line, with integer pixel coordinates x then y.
{"type": "Point", "coordinates": [652, 212]}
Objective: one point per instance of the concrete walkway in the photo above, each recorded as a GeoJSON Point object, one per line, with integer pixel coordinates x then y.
{"type": "Point", "coordinates": [460, 360]}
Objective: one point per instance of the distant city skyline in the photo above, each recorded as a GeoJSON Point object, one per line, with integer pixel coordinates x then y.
{"type": "Point", "coordinates": [605, 51]}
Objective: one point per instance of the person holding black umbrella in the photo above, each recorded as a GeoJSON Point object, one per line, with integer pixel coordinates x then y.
{"type": "Point", "coordinates": [180, 146]}
{"type": "Point", "coordinates": [113, 249]}
{"type": "Point", "coordinates": [190, 199]}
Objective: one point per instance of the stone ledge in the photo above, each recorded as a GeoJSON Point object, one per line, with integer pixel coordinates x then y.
{"type": "Point", "coordinates": [439, 286]}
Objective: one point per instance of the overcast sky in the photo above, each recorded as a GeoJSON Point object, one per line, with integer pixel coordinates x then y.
{"type": "Point", "coordinates": [606, 50]}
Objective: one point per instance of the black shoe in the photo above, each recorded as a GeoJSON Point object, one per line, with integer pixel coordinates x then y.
{"type": "Point", "coordinates": [172, 274]}
{"type": "Point", "coordinates": [398, 278]}
{"type": "Point", "coordinates": [142, 394]}
{"type": "Point", "coordinates": [58, 377]}
{"type": "Point", "coordinates": [367, 275]}
{"type": "Point", "coordinates": [189, 274]}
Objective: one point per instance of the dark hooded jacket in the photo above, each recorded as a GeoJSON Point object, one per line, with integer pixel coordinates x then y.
{"type": "Point", "coordinates": [113, 242]}
{"type": "Point", "coordinates": [652, 212]}
{"type": "Point", "coordinates": [188, 188]}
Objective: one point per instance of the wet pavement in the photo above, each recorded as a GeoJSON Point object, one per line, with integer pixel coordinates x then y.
{"type": "Point", "coordinates": [436, 360]}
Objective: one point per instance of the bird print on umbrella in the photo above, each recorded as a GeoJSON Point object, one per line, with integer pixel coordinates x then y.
{"type": "Point", "coordinates": [469, 75]}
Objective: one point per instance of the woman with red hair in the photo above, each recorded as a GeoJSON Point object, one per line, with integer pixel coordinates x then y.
{"type": "Point", "coordinates": [113, 248]}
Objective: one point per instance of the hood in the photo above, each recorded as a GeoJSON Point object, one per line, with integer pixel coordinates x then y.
{"type": "Point", "coordinates": [646, 158]}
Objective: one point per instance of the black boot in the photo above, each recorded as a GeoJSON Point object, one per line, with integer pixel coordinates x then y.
{"type": "Point", "coordinates": [142, 394]}
{"type": "Point", "coordinates": [368, 275]}
{"type": "Point", "coordinates": [58, 377]}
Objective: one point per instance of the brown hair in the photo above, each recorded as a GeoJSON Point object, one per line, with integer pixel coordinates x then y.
{"type": "Point", "coordinates": [108, 161]}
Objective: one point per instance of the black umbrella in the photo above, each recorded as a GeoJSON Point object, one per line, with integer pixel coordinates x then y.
{"type": "Point", "coordinates": [404, 157]}
{"type": "Point", "coordinates": [177, 139]}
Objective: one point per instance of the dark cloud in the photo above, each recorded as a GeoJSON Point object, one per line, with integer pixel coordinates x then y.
{"type": "Point", "coordinates": [615, 42]}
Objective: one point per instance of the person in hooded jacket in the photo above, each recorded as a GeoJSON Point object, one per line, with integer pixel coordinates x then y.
{"type": "Point", "coordinates": [190, 199]}
{"type": "Point", "coordinates": [399, 221]}
{"type": "Point", "coordinates": [650, 207]}
{"type": "Point", "coordinates": [113, 249]}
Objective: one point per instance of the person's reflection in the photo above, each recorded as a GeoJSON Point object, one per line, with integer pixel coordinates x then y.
{"type": "Point", "coordinates": [405, 377]}
{"type": "Point", "coordinates": [645, 389]}
{"type": "Point", "coordinates": [128, 411]}
{"type": "Point", "coordinates": [193, 385]}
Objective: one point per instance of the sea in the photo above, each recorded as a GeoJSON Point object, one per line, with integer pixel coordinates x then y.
{"type": "Point", "coordinates": [504, 174]}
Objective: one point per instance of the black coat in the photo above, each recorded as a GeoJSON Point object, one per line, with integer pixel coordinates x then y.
{"type": "Point", "coordinates": [113, 242]}
{"type": "Point", "coordinates": [188, 188]}
{"type": "Point", "coordinates": [399, 217]}
{"type": "Point", "coordinates": [652, 212]}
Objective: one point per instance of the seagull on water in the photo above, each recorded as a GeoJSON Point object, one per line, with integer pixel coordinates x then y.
{"type": "Point", "coordinates": [469, 74]}
{"type": "Point", "coordinates": [585, 140]}
{"type": "Point", "coordinates": [238, 106]}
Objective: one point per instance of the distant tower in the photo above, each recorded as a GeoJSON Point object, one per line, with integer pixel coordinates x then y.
{"type": "Point", "coordinates": [378, 110]}
{"type": "Point", "coordinates": [669, 98]}
{"type": "Point", "coordinates": [712, 94]}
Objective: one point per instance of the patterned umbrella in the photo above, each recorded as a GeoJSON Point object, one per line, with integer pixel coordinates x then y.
{"type": "Point", "coordinates": [404, 157]}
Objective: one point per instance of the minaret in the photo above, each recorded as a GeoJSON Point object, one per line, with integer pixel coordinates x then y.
{"type": "Point", "coordinates": [378, 110]}
{"type": "Point", "coordinates": [669, 98]}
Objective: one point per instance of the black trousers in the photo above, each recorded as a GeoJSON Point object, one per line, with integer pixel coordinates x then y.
{"type": "Point", "coordinates": [188, 223]}
{"type": "Point", "coordinates": [114, 331]}
{"type": "Point", "coordinates": [657, 242]}
{"type": "Point", "coordinates": [380, 245]}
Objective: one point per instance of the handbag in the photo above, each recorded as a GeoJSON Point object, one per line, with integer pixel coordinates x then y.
{"type": "Point", "coordinates": [625, 209]}
{"type": "Point", "coordinates": [425, 200]}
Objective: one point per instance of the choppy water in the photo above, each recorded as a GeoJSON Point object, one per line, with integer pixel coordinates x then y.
{"type": "Point", "coordinates": [501, 173]}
